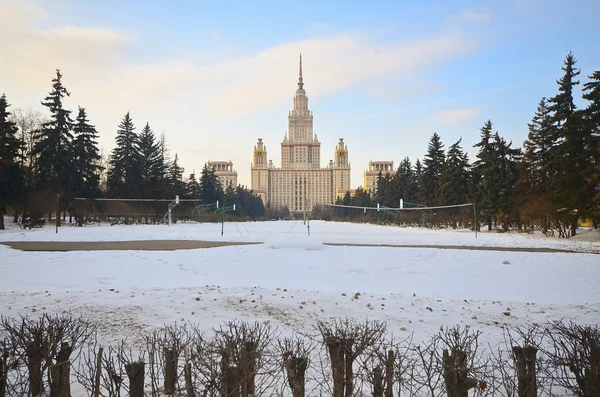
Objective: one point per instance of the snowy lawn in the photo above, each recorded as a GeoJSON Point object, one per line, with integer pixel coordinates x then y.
{"type": "Point", "coordinates": [293, 280]}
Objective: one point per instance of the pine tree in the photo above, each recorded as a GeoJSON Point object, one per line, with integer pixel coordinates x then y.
{"type": "Point", "coordinates": [571, 160]}
{"type": "Point", "coordinates": [124, 176]}
{"type": "Point", "coordinates": [86, 157]}
{"type": "Point", "coordinates": [178, 187]}
{"type": "Point", "coordinates": [11, 175]}
{"type": "Point", "coordinates": [419, 181]}
{"type": "Point", "coordinates": [508, 159]}
{"type": "Point", "coordinates": [210, 188]}
{"type": "Point", "coordinates": [534, 192]}
{"type": "Point", "coordinates": [454, 178]}
{"type": "Point", "coordinates": [53, 146]}
{"type": "Point", "coordinates": [485, 177]}
{"type": "Point", "coordinates": [193, 187]}
{"type": "Point", "coordinates": [433, 163]}
{"type": "Point", "coordinates": [160, 179]}
{"type": "Point", "coordinates": [591, 93]}
{"type": "Point", "coordinates": [149, 156]}
{"type": "Point", "coordinates": [406, 181]}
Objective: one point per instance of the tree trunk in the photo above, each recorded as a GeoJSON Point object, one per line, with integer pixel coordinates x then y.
{"type": "Point", "coordinates": [3, 373]}
{"type": "Point", "coordinates": [248, 368]}
{"type": "Point", "coordinates": [1, 220]}
{"type": "Point", "coordinates": [135, 373]}
{"type": "Point", "coordinates": [377, 382]}
{"type": "Point", "coordinates": [574, 226]}
{"type": "Point", "coordinates": [170, 371]}
{"type": "Point", "coordinates": [389, 375]}
{"type": "Point", "coordinates": [336, 355]}
{"type": "Point", "coordinates": [34, 366]}
{"type": "Point", "coordinates": [526, 372]}
{"type": "Point", "coordinates": [60, 385]}
{"type": "Point", "coordinates": [295, 368]}
{"type": "Point", "coordinates": [96, 392]}
{"type": "Point", "coordinates": [187, 373]}
{"type": "Point", "coordinates": [349, 360]}
{"type": "Point", "coordinates": [456, 374]}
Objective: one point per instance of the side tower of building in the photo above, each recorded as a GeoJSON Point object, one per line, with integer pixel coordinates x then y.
{"type": "Point", "coordinates": [224, 172]}
{"type": "Point", "coordinates": [341, 169]}
{"type": "Point", "coordinates": [372, 174]}
{"type": "Point", "coordinates": [260, 171]}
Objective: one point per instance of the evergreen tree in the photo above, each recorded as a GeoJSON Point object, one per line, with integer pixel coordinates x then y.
{"type": "Point", "coordinates": [591, 93]}
{"type": "Point", "coordinates": [485, 176]}
{"type": "Point", "coordinates": [53, 146]}
{"type": "Point", "coordinates": [454, 178]}
{"type": "Point", "coordinates": [86, 157]}
{"type": "Point", "coordinates": [193, 187]}
{"type": "Point", "coordinates": [433, 163]}
{"type": "Point", "coordinates": [210, 188]}
{"type": "Point", "coordinates": [419, 181]}
{"type": "Point", "coordinates": [534, 191]}
{"type": "Point", "coordinates": [507, 160]}
{"type": "Point", "coordinates": [11, 175]}
{"type": "Point", "coordinates": [571, 161]}
{"type": "Point", "coordinates": [124, 175]}
{"type": "Point", "coordinates": [160, 179]}
{"type": "Point", "coordinates": [538, 148]}
{"type": "Point", "coordinates": [149, 151]}
{"type": "Point", "coordinates": [178, 187]}
{"type": "Point", "coordinates": [406, 181]}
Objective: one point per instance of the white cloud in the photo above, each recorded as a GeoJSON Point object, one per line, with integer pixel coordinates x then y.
{"type": "Point", "coordinates": [455, 116]}
{"type": "Point", "coordinates": [199, 103]}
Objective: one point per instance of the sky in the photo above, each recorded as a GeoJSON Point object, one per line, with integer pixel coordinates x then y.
{"type": "Point", "coordinates": [216, 76]}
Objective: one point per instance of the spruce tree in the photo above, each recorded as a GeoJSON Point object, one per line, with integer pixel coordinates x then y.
{"type": "Point", "coordinates": [11, 175]}
{"type": "Point", "coordinates": [433, 163]}
{"type": "Point", "coordinates": [485, 177]}
{"type": "Point", "coordinates": [406, 181]}
{"type": "Point", "coordinates": [454, 178]}
{"type": "Point", "coordinates": [178, 187]}
{"type": "Point", "coordinates": [508, 159]}
{"type": "Point", "coordinates": [419, 181]}
{"type": "Point", "coordinates": [53, 146]}
{"type": "Point", "coordinates": [86, 157]}
{"type": "Point", "coordinates": [149, 156]}
{"type": "Point", "coordinates": [124, 176]}
{"type": "Point", "coordinates": [210, 188]}
{"type": "Point", "coordinates": [160, 180]}
{"type": "Point", "coordinates": [193, 187]}
{"type": "Point", "coordinates": [591, 93]}
{"type": "Point", "coordinates": [571, 159]}
{"type": "Point", "coordinates": [534, 190]}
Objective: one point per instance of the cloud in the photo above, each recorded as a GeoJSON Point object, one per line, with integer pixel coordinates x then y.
{"type": "Point", "coordinates": [455, 116]}
{"type": "Point", "coordinates": [468, 17]}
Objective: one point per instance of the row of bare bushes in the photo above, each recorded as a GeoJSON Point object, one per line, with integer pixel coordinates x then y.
{"type": "Point", "coordinates": [51, 355]}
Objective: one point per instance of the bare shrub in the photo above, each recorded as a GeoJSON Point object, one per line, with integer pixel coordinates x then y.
{"type": "Point", "coordinates": [36, 344]}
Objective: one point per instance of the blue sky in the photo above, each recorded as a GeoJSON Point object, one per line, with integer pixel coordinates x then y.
{"type": "Point", "coordinates": [215, 76]}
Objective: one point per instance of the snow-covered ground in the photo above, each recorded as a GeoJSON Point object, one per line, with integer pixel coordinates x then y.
{"type": "Point", "coordinates": [293, 280]}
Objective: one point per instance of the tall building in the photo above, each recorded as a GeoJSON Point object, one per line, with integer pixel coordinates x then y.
{"type": "Point", "coordinates": [300, 183]}
{"type": "Point", "coordinates": [224, 172]}
{"type": "Point", "coordinates": [372, 174]}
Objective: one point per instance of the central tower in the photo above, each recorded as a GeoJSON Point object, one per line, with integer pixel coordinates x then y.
{"type": "Point", "coordinates": [300, 147]}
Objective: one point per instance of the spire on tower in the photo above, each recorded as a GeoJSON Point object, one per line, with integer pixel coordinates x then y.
{"type": "Point", "coordinates": [300, 82]}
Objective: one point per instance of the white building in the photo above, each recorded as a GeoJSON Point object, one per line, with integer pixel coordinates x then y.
{"type": "Point", "coordinates": [224, 172]}
{"type": "Point", "coordinates": [372, 173]}
{"type": "Point", "coordinates": [300, 183]}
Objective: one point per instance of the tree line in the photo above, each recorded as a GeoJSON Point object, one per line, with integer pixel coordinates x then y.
{"type": "Point", "coordinates": [549, 184]}
{"type": "Point", "coordinates": [47, 160]}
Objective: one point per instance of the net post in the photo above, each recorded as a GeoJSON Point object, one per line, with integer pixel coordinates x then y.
{"type": "Point", "coordinates": [475, 220]}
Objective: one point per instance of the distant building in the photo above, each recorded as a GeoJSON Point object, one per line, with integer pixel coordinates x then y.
{"type": "Point", "coordinates": [340, 193]}
{"type": "Point", "coordinates": [372, 174]}
{"type": "Point", "coordinates": [224, 172]}
{"type": "Point", "coordinates": [300, 183]}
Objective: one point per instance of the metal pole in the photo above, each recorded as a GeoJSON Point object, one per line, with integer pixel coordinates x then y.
{"type": "Point", "coordinates": [222, 220]}
{"type": "Point", "coordinates": [57, 212]}
{"type": "Point", "coordinates": [475, 219]}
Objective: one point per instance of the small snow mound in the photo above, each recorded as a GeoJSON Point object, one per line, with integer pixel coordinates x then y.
{"type": "Point", "coordinates": [305, 243]}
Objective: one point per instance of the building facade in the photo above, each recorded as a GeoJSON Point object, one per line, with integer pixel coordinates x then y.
{"type": "Point", "coordinates": [372, 173]}
{"type": "Point", "coordinates": [224, 172]}
{"type": "Point", "coordinates": [300, 183]}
